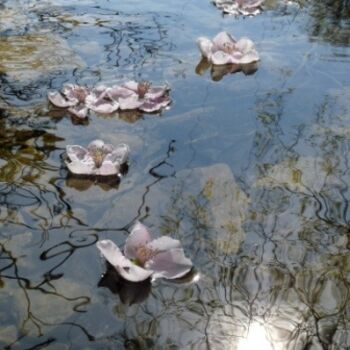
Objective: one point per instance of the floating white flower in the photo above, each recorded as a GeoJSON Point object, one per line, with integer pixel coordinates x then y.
{"type": "Point", "coordinates": [224, 49]}
{"type": "Point", "coordinates": [72, 97]}
{"type": "Point", "coordinates": [144, 258]}
{"type": "Point", "coordinates": [142, 95]}
{"type": "Point", "coordinates": [97, 159]}
{"type": "Point", "coordinates": [237, 7]}
{"type": "Point", "coordinates": [106, 100]}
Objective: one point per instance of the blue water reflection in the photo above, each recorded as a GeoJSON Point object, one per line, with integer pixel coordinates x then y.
{"type": "Point", "coordinates": [249, 171]}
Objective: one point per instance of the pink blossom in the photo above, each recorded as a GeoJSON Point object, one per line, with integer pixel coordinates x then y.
{"type": "Point", "coordinates": [224, 49]}
{"type": "Point", "coordinates": [98, 158]}
{"type": "Point", "coordinates": [145, 257]}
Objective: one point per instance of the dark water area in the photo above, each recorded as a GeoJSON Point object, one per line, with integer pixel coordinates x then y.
{"type": "Point", "coordinates": [248, 169]}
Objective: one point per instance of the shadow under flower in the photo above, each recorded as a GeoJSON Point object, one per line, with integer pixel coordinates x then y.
{"type": "Point", "coordinates": [217, 72]}
{"type": "Point", "coordinates": [137, 292]}
{"type": "Point", "coordinates": [106, 183]}
{"type": "Point", "coordinates": [129, 292]}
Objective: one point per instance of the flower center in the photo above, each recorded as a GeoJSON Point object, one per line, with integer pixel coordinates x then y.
{"type": "Point", "coordinates": [142, 88]}
{"type": "Point", "coordinates": [144, 254]}
{"type": "Point", "coordinates": [229, 47]}
{"type": "Point", "coordinates": [80, 94]}
{"type": "Point", "coordinates": [98, 155]}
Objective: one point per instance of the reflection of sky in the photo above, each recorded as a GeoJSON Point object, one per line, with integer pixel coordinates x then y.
{"type": "Point", "coordinates": [278, 139]}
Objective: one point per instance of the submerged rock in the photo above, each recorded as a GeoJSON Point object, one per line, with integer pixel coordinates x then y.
{"type": "Point", "coordinates": [27, 57]}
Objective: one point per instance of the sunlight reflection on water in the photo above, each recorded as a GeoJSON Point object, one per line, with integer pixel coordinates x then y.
{"type": "Point", "coordinates": [256, 339]}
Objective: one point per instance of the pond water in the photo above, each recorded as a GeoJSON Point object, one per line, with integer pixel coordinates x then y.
{"type": "Point", "coordinates": [251, 172]}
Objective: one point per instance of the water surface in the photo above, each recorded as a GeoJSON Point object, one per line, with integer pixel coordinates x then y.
{"type": "Point", "coordinates": [250, 172]}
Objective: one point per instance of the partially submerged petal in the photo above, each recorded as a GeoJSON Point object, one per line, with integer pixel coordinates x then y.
{"type": "Point", "coordinates": [139, 237]}
{"type": "Point", "coordinates": [124, 266]}
{"type": "Point", "coordinates": [170, 264]}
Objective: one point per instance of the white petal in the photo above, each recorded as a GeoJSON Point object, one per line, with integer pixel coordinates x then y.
{"type": "Point", "coordinates": [155, 105]}
{"type": "Point", "coordinates": [139, 236]}
{"type": "Point", "coordinates": [249, 57]}
{"type": "Point", "coordinates": [96, 144]}
{"type": "Point", "coordinates": [117, 92]}
{"type": "Point", "coordinates": [76, 152]}
{"type": "Point", "coordinates": [170, 264]}
{"type": "Point", "coordinates": [81, 168]}
{"type": "Point", "coordinates": [131, 85]}
{"type": "Point", "coordinates": [156, 92]}
{"type": "Point", "coordinates": [164, 243]}
{"type": "Point", "coordinates": [108, 168]}
{"type": "Point", "coordinates": [80, 111]}
{"type": "Point", "coordinates": [102, 106]}
{"type": "Point", "coordinates": [119, 155]}
{"type": "Point", "coordinates": [222, 39]}
{"type": "Point", "coordinates": [124, 266]}
{"type": "Point", "coordinates": [205, 46]}
{"type": "Point", "coordinates": [59, 101]}
{"type": "Point", "coordinates": [245, 45]}
{"type": "Point", "coordinates": [221, 57]}
{"type": "Point", "coordinates": [130, 102]}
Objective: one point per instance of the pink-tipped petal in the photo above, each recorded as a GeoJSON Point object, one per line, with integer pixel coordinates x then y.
{"type": "Point", "coordinates": [170, 264]}
{"type": "Point", "coordinates": [205, 46]}
{"type": "Point", "coordinates": [79, 111]}
{"type": "Point", "coordinates": [124, 266]}
{"type": "Point", "coordinates": [138, 237]}
{"type": "Point", "coordinates": [119, 155]}
{"type": "Point", "coordinates": [58, 100]}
